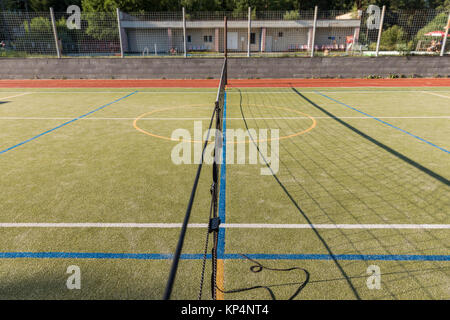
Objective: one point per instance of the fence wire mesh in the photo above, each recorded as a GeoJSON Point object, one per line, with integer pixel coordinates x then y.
{"type": "Point", "coordinates": [405, 31]}
{"type": "Point", "coordinates": [152, 34]}
{"type": "Point", "coordinates": [255, 33]}
{"type": "Point", "coordinates": [97, 34]}
{"type": "Point", "coordinates": [27, 34]}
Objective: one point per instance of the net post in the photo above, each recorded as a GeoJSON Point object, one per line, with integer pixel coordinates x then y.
{"type": "Point", "coordinates": [55, 33]}
{"type": "Point", "coordinates": [225, 31]}
{"type": "Point", "coordinates": [225, 77]}
{"type": "Point", "coordinates": [120, 32]}
{"type": "Point", "coordinates": [380, 30]}
{"type": "Point", "coordinates": [314, 31]}
{"type": "Point", "coordinates": [444, 41]}
{"type": "Point", "coordinates": [249, 30]}
{"type": "Point", "coordinates": [184, 32]}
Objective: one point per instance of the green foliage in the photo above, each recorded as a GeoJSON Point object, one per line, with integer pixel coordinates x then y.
{"type": "Point", "coordinates": [40, 26]}
{"type": "Point", "coordinates": [217, 5]}
{"type": "Point", "coordinates": [63, 32]}
{"type": "Point", "coordinates": [405, 47]}
{"type": "Point", "coordinates": [124, 5]}
{"type": "Point", "coordinates": [392, 38]}
{"type": "Point", "coordinates": [437, 24]}
{"type": "Point", "coordinates": [102, 25]}
{"type": "Point", "coordinates": [202, 5]}
{"type": "Point", "coordinates": [291, 15]}
{"type": "Point", "coordinates": [57, 5]}
{"type": "Point", "coordinates": [37, 36]}
{"type": "Point", "coordinates": [445, 5]}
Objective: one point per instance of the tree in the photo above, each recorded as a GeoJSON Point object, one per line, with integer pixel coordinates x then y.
{"type": "Point", "coordinates": [444, 5]}
{"type": "Point", "coordinates": [391, 38]}
{"type": "Point", "coordinates": [57, 5]}
{"type": "Point", "coordinates": [202, 5]}
{"type": "Point", "coordinates": [37, 37]}
{"type": "Point", "coordinates": [101, 25]}
{"type": "Point", "coordinates": [132, 5]}
{"type": "Point", "coordinates": [437, 24]}
{"type": "Point", "coordinates": [291, 15]}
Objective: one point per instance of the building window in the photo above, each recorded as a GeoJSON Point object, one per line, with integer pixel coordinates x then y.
{"type": "Point", "coordinates": [280, 34]}
{"type": "Point", "coordinates": [252, 38]}
{"type": "Point", "coordinates": [210, 38]}
{"type": "Point", "coordinates": [207, 38]}
{"type": "Point", "coordinates": [189, 38]}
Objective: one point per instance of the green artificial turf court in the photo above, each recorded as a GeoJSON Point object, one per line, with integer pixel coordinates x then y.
{"type": "Point", "coordinates": [362, 181]}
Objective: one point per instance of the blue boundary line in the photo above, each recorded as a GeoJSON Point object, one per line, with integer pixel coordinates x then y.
{"type": "Point", "coordinates": [199, 256]}
{"type": "Point", "coordinates": [222, 184]}
{"type": "Point", "coordinates": [358, 257]}
{"type": "Point", "coordinates": [97, 255]}
{"type": "Point", "coordinates": [65, 123]}
{"type": "Point", "coordinates": [384, 122]}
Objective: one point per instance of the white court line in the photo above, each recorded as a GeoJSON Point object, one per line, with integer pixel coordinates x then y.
{"type": "Point", "coordinates": [435, 94]}
{"type": "Point", "coordinates": [377, 91]}
{"type": "Point", "coordinates": [337, 226]}
{"type": "Point", "coordinates": [225, 225]}
{"type": "Point", "coordinates": [152, 92]}
{"type": "Point", "coordinates": [17, 95]}
{"type": "Point", "coordinates": [253, 118]}
{"type": "Point", "coordinates": [98, 225]}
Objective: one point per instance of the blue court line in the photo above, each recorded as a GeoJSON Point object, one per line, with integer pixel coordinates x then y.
{"type": "Point", "coordinates": [65, 123]}
{"type": "Point", "coordinates": [384, 122]}
{"type": "Point", "coordinates": [222, 184]}
{"type": "Point", "coordinates": [230, 256]}
{"type": "Point", "coordinates": [359, 257]}
{"type": "Point", "coordinates": [97, 255]}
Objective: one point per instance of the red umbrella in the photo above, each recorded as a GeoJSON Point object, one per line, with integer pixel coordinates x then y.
{"type": "Point", "coordinates": [435, 34]}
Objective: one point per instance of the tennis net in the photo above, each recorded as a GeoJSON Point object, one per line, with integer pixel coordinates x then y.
{"type": "Point", "coordinates": [214, 220]}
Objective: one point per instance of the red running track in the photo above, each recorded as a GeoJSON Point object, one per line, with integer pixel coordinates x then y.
{"type": "Point", "coordinates": [213, 83]}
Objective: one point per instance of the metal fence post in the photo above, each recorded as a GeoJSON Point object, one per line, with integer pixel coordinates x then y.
{"type": "Point", "coordinates": [120, 32]}
{"type": "Point", "coordinates": [225, 34]}
{"type": "Point", "coordinates": [184, 32]}
{"type": "Point", "coordinates": [380, 30]}
{"type": "Point", "coordinates": [314, 31]}
{"type": "Point", "coordinates": [249, 30]}
{"type": "Point", "coordinates": [55, 34]}
{"type": "Point", "coordinates": [444, 42]}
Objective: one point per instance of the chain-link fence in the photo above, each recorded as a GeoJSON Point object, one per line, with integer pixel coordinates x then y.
{"type": "Point", "coordinates": [372, 31]}
{"type": "Point", "coordinates": [27, 34]}
{"type": "Point", "coordinates": [403, 31]}
{"type": "Point", "coordinates": [95, 34]}
{"type": "Point", "coordinates": [152, 34]}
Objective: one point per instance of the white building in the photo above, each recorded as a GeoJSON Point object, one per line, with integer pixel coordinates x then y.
{"type": "Point", "coordinates": [265, 36]}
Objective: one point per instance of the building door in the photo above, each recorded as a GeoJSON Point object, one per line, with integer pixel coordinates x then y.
{"type": "Point", "coordinates": [232, 40]}
{"type": "Point", "coordinates": [269, 43]}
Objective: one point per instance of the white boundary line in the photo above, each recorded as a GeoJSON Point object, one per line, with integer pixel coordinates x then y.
{"type": "Point", "coordinates": [377, 91]}
{"type": "Point", "coordinates": [254, 118]}
{"type": "Point", "coordinates": [225, 225]}
{"type": "Point", "coordinates": [337, 226]}
{"type": "Point", "coordinates": [435, 94]}
{"type": "Point", "coordinates": [17, 95]}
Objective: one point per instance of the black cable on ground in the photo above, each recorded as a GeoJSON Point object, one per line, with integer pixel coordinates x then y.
{"type": "Point", "coordinates": [258, 267]}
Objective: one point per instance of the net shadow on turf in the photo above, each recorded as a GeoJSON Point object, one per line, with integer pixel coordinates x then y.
{"type": "Point", "coordinates": [376, 179]}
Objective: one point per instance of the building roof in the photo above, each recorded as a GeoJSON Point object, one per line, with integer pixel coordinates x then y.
{"type": "Point", "coordinates": [286, 24]}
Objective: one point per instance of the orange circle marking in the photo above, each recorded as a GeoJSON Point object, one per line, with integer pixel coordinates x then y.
{"type": "Point", "coordinates": [313, 125]}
